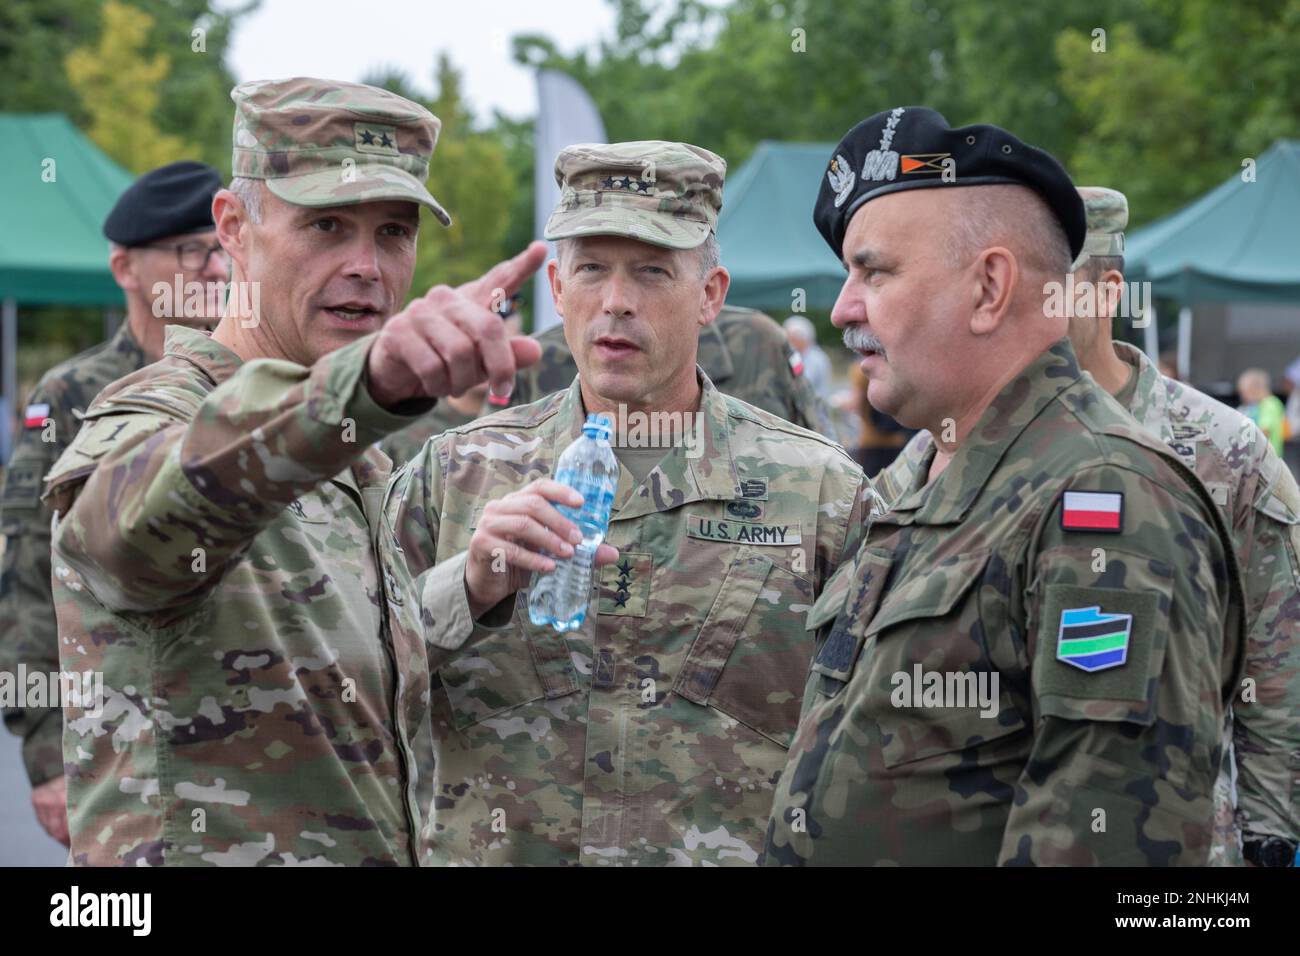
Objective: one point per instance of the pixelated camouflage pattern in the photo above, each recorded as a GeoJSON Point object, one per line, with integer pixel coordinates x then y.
{"type": "Point", "coordinates": [654, 734]}
{"type": "Point", "coordinates": [215, 561]}
{"type": "Point", "coordinates": [971, 574]}
{"type": "Point", "coordinates": [667, 194]}
{"type": "Point", "coordinates": [743, 352]}
{"type": "Point", "coordinates": [402, 446]}
{"type": "Point", "coordinates": [330, 143]}
{"type": "Point", "coordinates": [28, 634]}
{"type": "Point", "coordinates": [1106, 211]}
{"type": "Point", "coordinates": [1259, 784]}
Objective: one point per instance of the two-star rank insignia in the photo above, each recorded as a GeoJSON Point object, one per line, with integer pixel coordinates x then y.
{"type": "Point", "coordinates": [376, 138]}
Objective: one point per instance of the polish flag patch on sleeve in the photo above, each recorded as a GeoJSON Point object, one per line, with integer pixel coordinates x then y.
{"type": "Point", "coordinates": [35, 415]}
{"type": "Point", "coordinates": [1092, 511]}
{"type": "Point", "coordinates": [796, 362]}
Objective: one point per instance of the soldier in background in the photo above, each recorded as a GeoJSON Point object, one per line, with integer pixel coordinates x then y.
{"type": "Point", "coordinates": [159, 229]}
{"type": "Point", "coordinates": [1261, 503]}
{"type": "Point", "coordinates": [1030, 658]}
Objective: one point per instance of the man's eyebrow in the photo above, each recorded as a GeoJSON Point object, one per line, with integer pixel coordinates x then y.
{"type": "Point", "coordinates": [866, 259]}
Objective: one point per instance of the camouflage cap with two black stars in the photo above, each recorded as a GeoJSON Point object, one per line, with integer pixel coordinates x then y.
{"type": "Point", "coordinates": [912, 147]}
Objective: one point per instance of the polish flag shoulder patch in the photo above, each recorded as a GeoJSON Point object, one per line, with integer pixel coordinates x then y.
{"type": "Point", "coordinates": [35, 415]}
{"type": "Point", "coordinates": [1093, 511]}
{"type": "Point", "coordinates": [796, 363]}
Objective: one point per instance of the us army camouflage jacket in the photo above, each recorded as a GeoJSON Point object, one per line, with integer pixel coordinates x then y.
{"type": "Point", "coordinates": [27, 628]}
{"type": "Point", "coordinates": [744, 353]}
{"type": "Point", "coordinates": [1261, 503]}
{"type": "Point", "coordinates": [1006, 682]}
{"type": "Point", "coordinates": [654, 734]}
{"type": "Point", "coordinates": [215, 562]}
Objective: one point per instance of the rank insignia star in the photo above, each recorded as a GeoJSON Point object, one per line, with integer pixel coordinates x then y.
{"type": "Point", "coordinates": [626, 569]}
{"type": "Point", "coordinates": [385, 141]}
{"type": "Point", "coordinates": [368, 137]}
{"type": "Point", "coordinates": [620, 599]}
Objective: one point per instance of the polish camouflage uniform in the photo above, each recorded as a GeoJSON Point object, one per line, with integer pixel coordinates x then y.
{"type": "Point", "coordinates": [215, 560]}
{"type": "Point", "coordinates": [653, 734]}
{"type": "Point", "coordinates": [974, 574]}
{"type": "Point", "coordinates": [1261, 505]}
{"type": "Point", "coordinates": [27, 625]}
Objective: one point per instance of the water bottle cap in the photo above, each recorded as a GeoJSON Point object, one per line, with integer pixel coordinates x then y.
{"type": "Point", "coordinates": [598, 427]}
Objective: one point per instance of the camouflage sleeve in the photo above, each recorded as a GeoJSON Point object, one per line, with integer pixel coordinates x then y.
{"type": "Point", "coordinates": [1266, 711]}
{"type": "Point", "coordinates": [1124, 639]}
{"type": "Point", "coordinates": [28, 632]}
{"type": "Point", "coordinates": [164, 506]}
{"type": "Point", "coordinates": [412, 521]}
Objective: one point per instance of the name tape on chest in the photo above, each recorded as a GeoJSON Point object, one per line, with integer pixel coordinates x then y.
{"type": "Point", "coordinates": [743, 532]}
{"type": "Point", "coordinates": [1094, 511]}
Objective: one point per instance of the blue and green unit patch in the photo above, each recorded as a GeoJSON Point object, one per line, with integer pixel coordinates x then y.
{"type": "Point", "coordinates": [1093, 640]}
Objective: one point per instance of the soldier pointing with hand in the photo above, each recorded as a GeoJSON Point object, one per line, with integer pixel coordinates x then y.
{"type": "Point", "coordinates": [216, 555]}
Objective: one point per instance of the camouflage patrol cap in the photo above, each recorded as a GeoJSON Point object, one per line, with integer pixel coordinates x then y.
{"type": "Point", "coordinates": [667, 194]}
{"type": "Point", "coordinates": [1107, 212]}
{"type": "Point", "coordinates": [330, 143]}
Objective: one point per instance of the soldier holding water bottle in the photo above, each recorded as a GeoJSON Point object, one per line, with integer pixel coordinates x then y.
{"type": "Point", "coordinates": [653, 731]}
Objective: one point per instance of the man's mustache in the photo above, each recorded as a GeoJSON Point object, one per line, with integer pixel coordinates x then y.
{"type": "Point", "coordinates": [857, 338]}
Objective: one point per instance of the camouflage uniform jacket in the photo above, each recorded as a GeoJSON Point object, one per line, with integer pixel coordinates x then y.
{"type": "Point", "coordinates": [743, 352]}
{"type": "Point", "coordinates": [402, 446]}
{"type": "Point", "coordinates": [1101, 662]}
{"type": "Point", "coordinates": [27, 627]}
{"type": "Point", "coordinates": [654, 734]}
{"type": "Point", "coordinates": [1261, 504]}
{"type": "Point", "coordinates": [215, 560]}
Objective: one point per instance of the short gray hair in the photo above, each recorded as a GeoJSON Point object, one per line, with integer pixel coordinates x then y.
{"type": "Point", "coordinates": [249, 192]}
{"type": "Point", "coordinates": [709, 252]}
{"type": "Point", "coordinates": [1007, 214]}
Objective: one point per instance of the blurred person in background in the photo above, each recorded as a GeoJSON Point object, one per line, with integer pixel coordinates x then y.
{"type": "Point", "coordinates": [1261, 406]}
{"type": "Point", "coordinates": [816, 365]}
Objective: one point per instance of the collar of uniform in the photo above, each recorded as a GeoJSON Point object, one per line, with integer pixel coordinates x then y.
{"type": "Point", "coordinates": [1150, 404]}
{"type": "Point", "coordinates": [714, 357]}
{"type": "Point", "coordinates": [949, 497]}
{"type": "Point", "coordinates": [201, 349]}
{"type": "Point", "coordinates": [678, 478]}
{"type": "Point", "coordinates": [125, 342]}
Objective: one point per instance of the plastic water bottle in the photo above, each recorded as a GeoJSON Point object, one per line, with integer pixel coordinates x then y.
{"type": "Point", "coordinates": [559, 598]}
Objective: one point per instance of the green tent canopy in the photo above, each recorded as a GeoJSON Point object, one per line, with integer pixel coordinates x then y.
{"type": "Point", "coordinates": [1238, 243]}
{"type": "Point", "coordinates": [769, 243]}
{"type": "Point", "coordinates": [52, 250]}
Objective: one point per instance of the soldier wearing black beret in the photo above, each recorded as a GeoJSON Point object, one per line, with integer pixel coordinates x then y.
{"type": "Point", "coordinates": [161, 239]}
{"type": "Point", "coordinates": [1030, 659]}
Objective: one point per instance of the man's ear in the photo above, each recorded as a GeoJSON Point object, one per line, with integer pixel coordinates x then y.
{"type": "Point", "coordinates": [1111, 289]}
{"type": "Point", "coordinates": [557, 287]}
{"type": "Point", "coordinates": [716, 285]}
{"type": "Point", "coordinates": [231, 219]}
{"type": "Point", "coordinates": [123, 269]}
{"type": "Point", "coordinates": [996, 275]}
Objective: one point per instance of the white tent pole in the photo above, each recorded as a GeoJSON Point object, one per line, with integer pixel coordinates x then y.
{"type": "Point", "coordinates": [1151, 342]}
{"type": "Point", "coordinates": [8, 371]}
{"type": "Point", "coordinates": [1185, 343]}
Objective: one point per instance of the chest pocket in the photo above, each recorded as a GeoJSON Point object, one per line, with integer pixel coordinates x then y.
{"type": "Point", "coordinates": [750, 655]}
{"type": "Point", "coordinates": [929, 683]}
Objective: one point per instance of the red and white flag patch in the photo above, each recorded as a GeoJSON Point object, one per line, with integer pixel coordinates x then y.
{"type": "Point", "coordinates": [1092, 511]}
{"type": "Point", "coordinates": [35, 415]}
{"type": "Point", "coordinates": [796, 362]}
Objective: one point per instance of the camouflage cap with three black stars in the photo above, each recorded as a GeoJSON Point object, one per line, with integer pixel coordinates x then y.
{"type": "Point", "coordinates": [912, 147]}
{"type": "Point", "coordinates": [666, 194]}
{"type": "Point", "coordinates": [330, 143]}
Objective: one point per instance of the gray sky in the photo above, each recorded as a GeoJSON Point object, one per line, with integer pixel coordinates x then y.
{"type": "Point", "coordinates": [345, 39]}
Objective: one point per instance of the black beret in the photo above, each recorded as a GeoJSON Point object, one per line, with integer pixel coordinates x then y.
{"type": "Point", "coordinates": [912, 147]}
{"type": "Point", "coordinates": [169, 201]}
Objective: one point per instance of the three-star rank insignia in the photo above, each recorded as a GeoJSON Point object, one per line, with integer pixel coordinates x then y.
{"type": "Point", "coordinates": [376, 138]}
{"type": "Point", "coordinates": [625, 585]}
